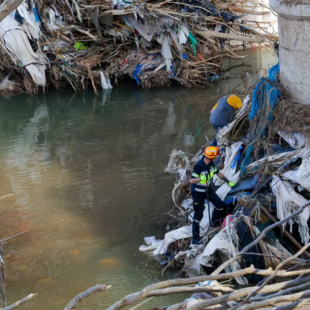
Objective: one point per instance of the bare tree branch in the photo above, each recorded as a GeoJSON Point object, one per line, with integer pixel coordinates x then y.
{"type": "Point", "coordinates": [147, 291]}
{"type": "Point", "coordinates": [95, 289]}
{"type": "Point", "coordinates": [7, 239]}
{"type": "Point", "coordinates": [256, 241]}
{"type": "Point", "coordinates": [192, 290]}
{"type": "Point", "coordinates": [273, 275]}
{"type": "Point", "coordinates": [18, 303]}
{"type": "Point", "coordinates": [244, 292]}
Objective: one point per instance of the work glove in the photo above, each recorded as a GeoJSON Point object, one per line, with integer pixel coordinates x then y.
{"type": "Point", "coordinates": [232, 184]}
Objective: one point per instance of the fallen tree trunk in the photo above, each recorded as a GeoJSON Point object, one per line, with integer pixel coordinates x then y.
{"type": "Point", "coordinates": [7, 7]}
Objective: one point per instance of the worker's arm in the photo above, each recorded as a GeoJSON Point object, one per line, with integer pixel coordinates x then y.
{"type": "Point", "coordinates": [194, 181]}
{"type": "Point", "coordinates": [195, 175]}
{"type": "Point", "coordinates": [222, 176]}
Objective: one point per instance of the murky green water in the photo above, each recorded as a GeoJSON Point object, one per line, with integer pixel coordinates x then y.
{"type": "Point", "coordinates": [81, 167]}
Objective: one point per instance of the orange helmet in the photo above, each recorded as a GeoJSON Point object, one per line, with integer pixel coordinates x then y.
{"type": "Point", "coordinates": [211, 152]}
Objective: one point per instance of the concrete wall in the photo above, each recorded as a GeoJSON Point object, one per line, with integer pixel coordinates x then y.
{"type": "Point", "coordinates": [294, 38]}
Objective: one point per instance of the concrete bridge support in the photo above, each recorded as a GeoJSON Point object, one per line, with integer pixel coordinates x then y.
{"type": "Point", "coordinates": [294, 37]}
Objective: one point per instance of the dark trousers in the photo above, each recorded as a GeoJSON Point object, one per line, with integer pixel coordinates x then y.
{"type": "Point", "coordinates": [214, 141]}
{"type": "Point", "coordinates": [219, 212]}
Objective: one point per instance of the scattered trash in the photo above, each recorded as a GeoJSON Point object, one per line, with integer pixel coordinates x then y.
{"type": "Point", "coordinates": [273, 183]}
{"type": "Point", "coordinates": [60, 43]}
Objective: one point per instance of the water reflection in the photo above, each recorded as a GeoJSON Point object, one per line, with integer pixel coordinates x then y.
{"type": "Point", "coordinates": [81, 167]}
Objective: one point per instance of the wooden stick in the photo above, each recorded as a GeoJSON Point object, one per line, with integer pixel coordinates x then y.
{"type": "Point", "coordinates": [252, 12]}
{"type": "Point", "coordinates": [141, 303]}
{"type": "Point", "coordinates": [6, 196]}
{"type": "Point", "coordinates": [213, 34]}
{"type": "Point", "coordinates": [286, 233]}
{"type": "Point", "coordinates": [18, 303]}
{"type": "Point", "coordinates": [95, 289]}
{"type": "Point", "coordinates": [192, 290]}
{"type": "Point", "coordinates": [7, 7]}
{"type": "Point", "coordinates": [6, 239]}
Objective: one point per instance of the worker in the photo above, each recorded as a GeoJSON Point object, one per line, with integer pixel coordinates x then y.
{"type": "Point", "coordinates": [203, 172]}
{"type": "Point", "coordinates": [223, 113]}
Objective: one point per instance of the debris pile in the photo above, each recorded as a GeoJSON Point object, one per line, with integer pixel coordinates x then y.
{"type": "Point", "coordinates": [82, 42]}
{"type": "Point", "coordinates": [266, 150]}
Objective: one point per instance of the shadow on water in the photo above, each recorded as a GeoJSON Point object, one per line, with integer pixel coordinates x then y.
{"type": "Point", "coordinates": [81, 167]}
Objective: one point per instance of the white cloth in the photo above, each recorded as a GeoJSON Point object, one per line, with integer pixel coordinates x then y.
{"type": "Point", "coordinates": [16, 41]}
{"type": "Point", "coordinates": [302, 175]}
{"type": "Point", "coordinates": [105, 82]}
{"type": "Point", "coordinates": [288, 201]}
{"type": "Point", "coordinates": [226, 242]}
{"type": "Point", "coordinates": [29, 16]}
{"type": "Point", "coordinates": [229, 159]}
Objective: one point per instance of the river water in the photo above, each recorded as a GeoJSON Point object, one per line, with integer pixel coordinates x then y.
{"type": "Point", "coordinates": [87, 175]}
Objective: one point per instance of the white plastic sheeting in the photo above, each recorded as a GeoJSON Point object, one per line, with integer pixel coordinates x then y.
{"type": "Point", "coordinates": [225, 188]}
{"type": "Point", "coordinates": [32, 24]}
{"type": "Point", "coordinates": [146, 32]}
{"type": "Point", "coordinates": [228, 171]}
{"type": "Point", "coordinates": [105, 82]}
{"type": "Point", "coordinates": [183, 34]}
{"type": "Point", "coordinates": [302, 175]}
{"type": "Point", "coordinates": [178, 162]}
{"type": "Point", "coordinates": [226, 242]}
{"type": "Point", "coordinates": [166, 52]}
{"type": "Point", "coordinates": [288, 201]}
{"type": "Point", "coordinates": [55, 20]}
{"type": "Point", "coordinates": [295, 140]}
{"type": "Point", "coordinates": [16, 41]}
{"type": "Point", "coordinates": [6, 84]}
{"type": "Point", "coordinates": [275, 161]}
{"type": "Point", "coordinates": [178, 234]}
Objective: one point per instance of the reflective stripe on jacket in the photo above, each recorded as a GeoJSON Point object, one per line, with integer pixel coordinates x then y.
{"type": "Point", "coordinates": [204, 170]}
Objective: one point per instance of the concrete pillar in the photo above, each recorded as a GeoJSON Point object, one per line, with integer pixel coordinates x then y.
{"type": "Point", "coordinates": [294, 38]}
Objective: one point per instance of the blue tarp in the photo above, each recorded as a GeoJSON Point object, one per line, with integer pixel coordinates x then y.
{"type": "Point", "coordinates": [265, 93]}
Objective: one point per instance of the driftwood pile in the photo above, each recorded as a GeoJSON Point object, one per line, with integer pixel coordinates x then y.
{"type": "Point", "coordinates": [95, 43]}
